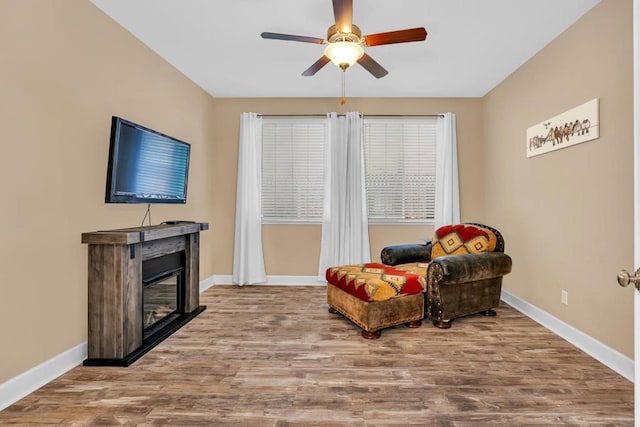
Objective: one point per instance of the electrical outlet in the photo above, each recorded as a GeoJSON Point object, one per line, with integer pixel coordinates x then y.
{"type": "Point", "coordinates": [564, 297]}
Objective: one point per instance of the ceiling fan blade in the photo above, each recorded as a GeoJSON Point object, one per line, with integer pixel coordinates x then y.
{"type": "Point", "coordinates": [343, 12]}
{"type": "Point", "coordinates": [316, 66]}
{"type": "Point", "coordinates": [305, 39]}
{"type": "Point", "coordinates": [400, 36]}
{"type": "Point", "coordinates": [372, 66]}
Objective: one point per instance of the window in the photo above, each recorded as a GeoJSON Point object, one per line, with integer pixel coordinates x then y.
{"type": "Point", "coordinates": [400, 169]}
{"type": "Point", "coordinates": [400, 165]}
{"type": "Point", "coordinates": [293, 169]}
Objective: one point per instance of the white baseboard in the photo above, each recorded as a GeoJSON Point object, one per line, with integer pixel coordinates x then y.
{"type": "Point", "coordinates": [18, 387]}
{"type": "Point", "coordinates": [207, 283]}
{"type": "Point", "coordinates": [609, 357]}
{"type": "Point", "coordinates": [26, 383]}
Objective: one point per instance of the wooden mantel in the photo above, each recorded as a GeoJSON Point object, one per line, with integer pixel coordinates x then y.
{"type": "Point", "coordinates": [115, 313]}
{"type": "Point", "coordinates": [129, 236]}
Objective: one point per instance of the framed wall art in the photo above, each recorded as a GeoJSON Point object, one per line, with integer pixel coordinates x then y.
{"type": "Point", "coordinates": [580, 124]}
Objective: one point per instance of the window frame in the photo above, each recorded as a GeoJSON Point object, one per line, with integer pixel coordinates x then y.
{"type": "Point", "coordinates": [306, 121]}
{"type": "Point", "coordinates": [429, 121]}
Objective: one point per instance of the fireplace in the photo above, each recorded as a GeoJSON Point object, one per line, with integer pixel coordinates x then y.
{"type": "Point", "coordinates": [162, 291]}
{"type": "Point", "coordinates": [143, 286]}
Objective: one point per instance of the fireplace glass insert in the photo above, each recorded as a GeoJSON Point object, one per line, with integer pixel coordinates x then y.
{"type": "Point", "coordinates": [162, 291]}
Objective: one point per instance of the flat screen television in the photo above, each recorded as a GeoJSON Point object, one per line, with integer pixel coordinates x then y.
{"type": "Point", "coordinates": [145, 166]}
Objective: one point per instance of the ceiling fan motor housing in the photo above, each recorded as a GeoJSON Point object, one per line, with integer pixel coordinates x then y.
{"type": "Point", "coordinates": [354, 36]}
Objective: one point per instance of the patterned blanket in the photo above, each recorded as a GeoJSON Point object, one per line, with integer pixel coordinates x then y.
{"type": "Point", "coordinates": [379, 282]}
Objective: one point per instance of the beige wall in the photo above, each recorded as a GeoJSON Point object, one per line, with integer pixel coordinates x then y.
{"type": "Point", "coordinates": [568, 215]}
{"type": "Point", "coordinates": [65, 69]}
{"type": "Point", "coordinates": [295, 249]}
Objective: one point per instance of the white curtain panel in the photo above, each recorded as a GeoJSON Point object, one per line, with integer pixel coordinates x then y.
{"type": "Point", "coordinates": [248, 258]}
{"type": "Point", "coordinates": [447, 202]}
{"type": "Point", "coordinates": [345, 224]}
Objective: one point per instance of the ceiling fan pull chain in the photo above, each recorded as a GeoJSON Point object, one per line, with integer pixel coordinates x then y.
{"type": "Point", "coordinates": [343, 100]}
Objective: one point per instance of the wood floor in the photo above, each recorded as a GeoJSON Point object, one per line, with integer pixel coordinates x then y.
{"type": "Point", "coordinates": [274, 356]}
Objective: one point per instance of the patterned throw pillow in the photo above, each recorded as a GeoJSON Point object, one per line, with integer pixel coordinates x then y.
{"type": "Point", "coordinates": [461, 239]}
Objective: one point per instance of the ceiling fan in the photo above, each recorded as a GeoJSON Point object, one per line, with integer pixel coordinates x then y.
{"type": "Point", "coordinates": [345, 43]}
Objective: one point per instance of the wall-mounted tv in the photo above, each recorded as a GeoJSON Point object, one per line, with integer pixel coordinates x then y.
{"type": "Point", "coordinates": [145, 166]}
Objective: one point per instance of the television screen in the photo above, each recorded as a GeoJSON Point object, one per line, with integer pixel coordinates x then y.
{"type": "Point", "coordinates": [145, 166]}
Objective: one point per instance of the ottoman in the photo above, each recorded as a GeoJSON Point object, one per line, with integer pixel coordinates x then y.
{"type": "Point", "coordinates": [376, 296]}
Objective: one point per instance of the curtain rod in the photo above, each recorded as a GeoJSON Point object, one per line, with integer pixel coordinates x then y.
{"type": "Point", "coordinates": [404, 115]}
{"type": "Point", "coordinates": [342, 115]}
{"type": "Point", "coordinates": [295, 115]}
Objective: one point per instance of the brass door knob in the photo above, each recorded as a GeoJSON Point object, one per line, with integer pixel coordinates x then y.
{"type": "Point", "coordinates": [624, 278]}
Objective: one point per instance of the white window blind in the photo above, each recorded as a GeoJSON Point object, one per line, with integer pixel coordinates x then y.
{"type": "Point", "coordinates": [400, 164]}
{"type": "Point", "coordinates": [293, 169]}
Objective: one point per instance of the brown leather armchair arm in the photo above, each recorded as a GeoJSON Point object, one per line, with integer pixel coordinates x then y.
{"type": "Point", "coordinates": [454, 269]}
{"type": "Point", "coordinates": [460, 285]}
{"type": "Point", "coordinates": [403, 254]}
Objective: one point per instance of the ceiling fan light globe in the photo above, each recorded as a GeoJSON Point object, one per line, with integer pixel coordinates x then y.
{"type": "Point", "coordinates": [341, 53]}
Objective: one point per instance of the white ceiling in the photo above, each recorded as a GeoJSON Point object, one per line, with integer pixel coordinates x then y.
{"type": "Point", "coordinates": [472, 45]}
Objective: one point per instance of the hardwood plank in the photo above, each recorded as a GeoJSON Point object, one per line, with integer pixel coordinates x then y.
{"type": "Point", "coordinates": [274, 356]}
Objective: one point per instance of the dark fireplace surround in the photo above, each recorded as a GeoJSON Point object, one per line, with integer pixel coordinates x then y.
{"type": "Point", "coordinates": [143, 286]}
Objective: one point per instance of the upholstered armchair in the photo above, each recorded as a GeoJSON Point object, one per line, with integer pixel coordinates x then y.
{"type": "Point", "coordinates": [466, 263]}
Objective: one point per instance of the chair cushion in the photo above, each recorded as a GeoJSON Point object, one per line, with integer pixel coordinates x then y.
{"type": "Point", "coordinates": [379, 282]}
{"type": "Point", "coordinates": [462, 239]}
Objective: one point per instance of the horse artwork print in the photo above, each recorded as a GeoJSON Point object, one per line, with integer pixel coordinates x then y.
{"type": "Point", "coordinates": [580, 124]}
